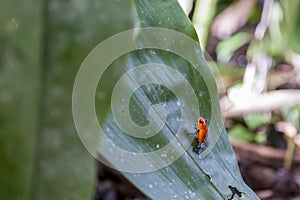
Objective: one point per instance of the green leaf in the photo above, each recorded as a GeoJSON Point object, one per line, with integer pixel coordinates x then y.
{"type": "Point", "coordinates": [42, 46]}
{"type": "Point", "coordinates": [226, 48]}
{"type": "Point", "coordinates": [64, 169]}
{"type": "Point", "coordinates": [241, 133]}
{"type": "Point", "coordinates": [191, 176]}
{"type": "Point", "coordinates": [18, 98]}
{"type": "Point", "coordinates": [292, 115]}
{"type": "Point", "coordinates": [254, 120]}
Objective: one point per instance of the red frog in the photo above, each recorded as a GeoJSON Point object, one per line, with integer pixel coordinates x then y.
{"type": "Point", "coordinates": [202, 132]}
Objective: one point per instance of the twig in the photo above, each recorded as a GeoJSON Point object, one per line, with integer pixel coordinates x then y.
{"type": "Point", "coordinates": [243, 103]}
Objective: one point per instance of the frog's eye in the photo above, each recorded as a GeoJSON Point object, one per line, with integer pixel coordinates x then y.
{"type": "Point", "coordinates": [202, 120]}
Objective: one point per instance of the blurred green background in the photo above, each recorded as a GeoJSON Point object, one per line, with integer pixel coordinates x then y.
{"type": "Point", "coordinates": [42, 44]}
